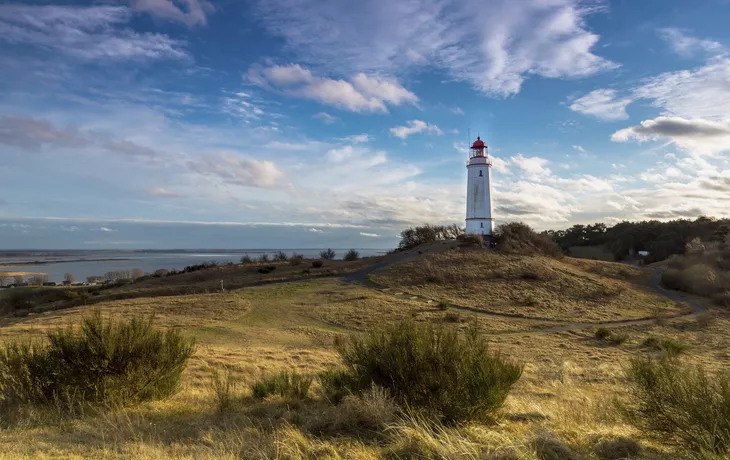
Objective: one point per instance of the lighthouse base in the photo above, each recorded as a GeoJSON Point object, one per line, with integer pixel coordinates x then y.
{"type": "Point", "coordinates": [476, 226]}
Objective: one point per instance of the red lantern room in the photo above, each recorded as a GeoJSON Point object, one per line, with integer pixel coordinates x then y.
{"type": "Point", "coordinates": [478, 148]}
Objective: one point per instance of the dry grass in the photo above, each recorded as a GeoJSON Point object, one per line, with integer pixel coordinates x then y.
{"type": "Point", "coordinates": [565, 395]}
{"type": "Point", "coordinates": [537, 287]}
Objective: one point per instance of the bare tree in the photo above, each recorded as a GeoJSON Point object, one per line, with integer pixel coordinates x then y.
{"type": "Point", "coordinates": [69, 277]}
{"type": "Point", "coordinates": [136, 273]}
{"type": "Point", "coordinates": [38, 280]}
{"type": "Point", "coordinates": [19, 279]}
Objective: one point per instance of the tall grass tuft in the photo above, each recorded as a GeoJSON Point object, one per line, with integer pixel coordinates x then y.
{"type": "Point", "coordinates": [285, 384]}
{"type": "Point", "coordinates": [675, 401]}
{"type": "Point", "coordinates": [448, 375]}
{"type": "Point", "coordinates": [102, 362]}
{"type": "Point", "coordinates": [223, 386]}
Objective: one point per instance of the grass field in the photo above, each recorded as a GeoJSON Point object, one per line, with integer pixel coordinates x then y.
{"type": "Point", "coordinates": [563, 401]}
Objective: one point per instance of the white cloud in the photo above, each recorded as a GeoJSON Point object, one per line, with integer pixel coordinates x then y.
{"type": "Point", "coordinates": [500, 165]}
{"type": "Point", "coordinates": [194, 11]}
{"type": "Point", "coordinates": [602, 104]}
{"type": "Point", "coordinates": [357, 138]}
{"type": "Point", "coordinates": [687, 45]}
{"type": "Point", "coordinates": [232, 169]}
{"type": "Point", "coordinates": [361, 94]}
{"type": "Point", "coordinates": [85, 32]}
{"type": "Point", "coordinates": [533, 166]}
{"type": "Point", "coordinates": [700, 93]}
{"type": "Point", "coordinates": [699, 136]}
{"type": "Point", "coordinates": [315, 230]}
{"type": "Point", "coordinates": [370, 235]}
{"type": "Point", "coordinates": [163, 192]}
{"type": "Point", "coordinates": [492, 45]}
{"type": "Point", "coordinates": [341, 154]}
{"type": "Point", "coordinates": [414, 126]}
{"type": "Point", "coordinates": [457, 111]}
{"type": "Point", "coordinates": [106, 229]}
{"type": "Point", "coordinates": [618, 165]}
{"type": "Point", "coordinates": [326, 118]}
{"type": "Point", "coordinates": [579, 148]}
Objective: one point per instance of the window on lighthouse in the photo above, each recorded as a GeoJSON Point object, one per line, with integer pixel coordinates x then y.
{"type": "Point", "coordinates": [480, 173]}
{"type": "Point", "coordinates": [481, 224]}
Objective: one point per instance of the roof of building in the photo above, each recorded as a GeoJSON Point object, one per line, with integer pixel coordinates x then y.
{"type": "Point", "coordinates": [478, 144]}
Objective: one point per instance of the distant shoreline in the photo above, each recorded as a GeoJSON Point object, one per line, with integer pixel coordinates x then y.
{"type": "Point", "coordinates": [48, 262]}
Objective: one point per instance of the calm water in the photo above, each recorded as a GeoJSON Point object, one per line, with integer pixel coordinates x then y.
{"type": "Point", "coordinates": [148, 262]}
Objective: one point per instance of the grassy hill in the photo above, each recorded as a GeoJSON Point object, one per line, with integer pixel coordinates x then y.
{"type": "Point", "coordinates": [562, 407]}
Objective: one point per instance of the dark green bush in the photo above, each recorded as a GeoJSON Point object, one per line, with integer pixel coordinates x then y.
{"type": "Point", "coordinates": [443, 305]}
{"type": "Point", "coordinates": [676, 402]}
{"type": "Point", "coordinates": [103, 361]}
{"type": "Point", "coordinates": [336, 384]}
{"type": "Point", "coordinates": [610, 336]}
{"type": "Point", "coordinates": [285, 384]}
{"type": "Point", "coordinates": [267, 269]}
{"type": "Point", "coordinates": [352, 255]}
{"type": "Point", "coordinates": [317, 264]}
{"type": "Point", "coordinates": [329, 254]}
{"type": "Point", "coordinates": [519, 238]}
{"type": "Point", "coordinates": [449, 375]}
{"type": "Point", "coordinates": [667, 346]}
{"type": "Point", "coordinates": [415, 236]}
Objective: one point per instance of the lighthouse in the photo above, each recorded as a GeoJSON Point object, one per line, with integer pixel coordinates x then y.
{"type": "Point", "coordinates": [479, 219]}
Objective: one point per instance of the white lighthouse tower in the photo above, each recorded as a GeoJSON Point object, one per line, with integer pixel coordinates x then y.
{"type": "Point", "coordinates": [479, 219]}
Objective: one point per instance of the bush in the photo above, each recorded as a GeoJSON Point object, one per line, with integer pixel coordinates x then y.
{"type": "Point", "coordinates": [267, 269]}
{"type": "Point", "coordinates": [452, 317]}
{"type": "Point", "coordinates": [443, 306]}
{"type": "Point", "coordinates": [329, 254]}
{"type": "Point", "coordinates": [296, 259]}
{"type": "Point", "coordinates": [103, 361]}
{"type": "Point", "coordinates": [674, 401]}
{"type": "Point", "coordinates": [609, 336]}
{"type": "Point", "coordinates": [700, 279]}
{"type": "Point", "coordinates": [281, 256]}
{"type": "Point", "coordinates": [472, 241]}
{"type": "Point", "coordinates": [666, 346]}
{"type": "Point", "coordinates": [618, 449]}
{"type": "Point", "coordinates": [352, 255]}
{"type": "Point", "coordinates": [285, 384]}
{"type": "Point", "coordinates": [519, 238]}
{"type": "Point", "coordinates": [264, 257]}
{"type": "Point", "coordinates": [246, 259]}
{"type": "Point", "coordinates": [722, 299]}
{"type": "Point", "coordinates": [415, 236]}
{"type": "Point", "coordinates": [223, 387]}
{"type": "Point", "coordinates": [448, 375]}
{"type": "Point", "coordinates": [336, 384]}
{"type": "Point", "coordinates": [317, 264]}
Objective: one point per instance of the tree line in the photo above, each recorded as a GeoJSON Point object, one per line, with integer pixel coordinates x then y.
{"type": "Point", "coordinates": [659, 239]}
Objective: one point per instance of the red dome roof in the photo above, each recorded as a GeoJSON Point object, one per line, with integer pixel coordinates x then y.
{"type": "Point", "coordinates": [478, 144]}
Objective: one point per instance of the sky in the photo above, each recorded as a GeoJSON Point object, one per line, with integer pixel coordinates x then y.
{"type": "Point", "coordinates": [314, 123]}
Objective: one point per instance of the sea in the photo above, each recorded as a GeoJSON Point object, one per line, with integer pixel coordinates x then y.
{"type": "Point", "coordinates": [82, 264]}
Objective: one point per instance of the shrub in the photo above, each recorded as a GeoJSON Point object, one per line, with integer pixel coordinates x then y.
{"type": "Point", "coordinates": [317, 264]}
{"type": "Point", "coordinates": [296, 259]}
{"type": "Point", "coordinates": [267, 269]}
{"type": "Point", "coordinates": [666, 346]}
{"type": "Point", "coordinates": [285, 384]}
{"type": "Point", "coordinates": [519, 238]}
{"type": "Point", "coordinates": [700, 279]}
{"type": "Point", "coordinates": [448, 375]}
{"type": "Point", "coordinates": [329, 254]}
{"type": "Point", "coordinates": [609, 336]}
{"type": "Point", "coordinates": [674, 401]}
{"type": "Point", "coordinates": [415, 236]}
{"type": "Point", "coordinates": [618, 449]}
{"type": "Point", "coordinates": [264, 257]}
{"type": "Point", "coordinates": [472, 240]}
{"type": "Point", "coordinates": [548, 447]}
{"type": "Point", "coordinates": [722, 299]}
{"type": "Point", "coordinates": [336, 384]}
{"type": "Point", "coordinates": [223, 386]}
{"type": "Point", "coordinates": [281, 256]}
{"type": "Point", "coordinates": [352, 255]}
{"type": "Point", "coordinates": [246, 259]}
{"type": "Point", "coordinates": [103, 361]}
{"type": "Point", "coordinates": [452, 317]}
{"type": "Point", "coordinates": [443, 306]}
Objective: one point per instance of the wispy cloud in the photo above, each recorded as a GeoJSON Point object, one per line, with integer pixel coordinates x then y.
{"type": "Point", "coordinates": [687, 45]}
{"type": "Point", "coordinates": [326, 118]}
{"type": "Point", "coordinates": [415, 126]}
{"type": "Point", "coordinates": [602, 104]}
{"type": "Point", "coordinates": [362, 93]}
{"type": "Point", "coordinates": [188, 12]}
{"type": "Point", "coordinates": [93, 33]}
{"type": "Point", "coordinates": [549, 39]}
{"type": "Point", "coordinates": [370, 235]}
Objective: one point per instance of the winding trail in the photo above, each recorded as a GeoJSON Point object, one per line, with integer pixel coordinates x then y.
{"type": "Point", "coordinates": [361, 277]}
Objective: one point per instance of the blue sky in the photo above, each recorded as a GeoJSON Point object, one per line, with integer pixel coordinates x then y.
{"type": "Point", "coordinates": [314, 123]}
